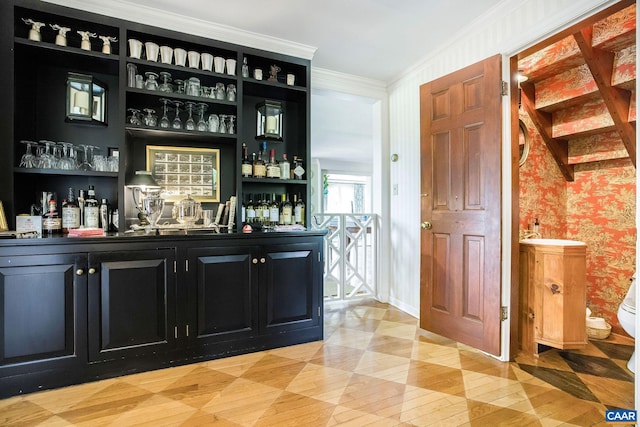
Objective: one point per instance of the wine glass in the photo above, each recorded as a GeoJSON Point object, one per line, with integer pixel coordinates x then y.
{"type": "Point", "coordinates": [177, 123]}
{"type": "Point", "coordinates": [150, 119]}
{"type": "Point", "coordinates": [202, 124]}
{"type": "Point", "coordinates": [231, 128]}
{"type": "Point", "coordinates": [152, 81]}
{"type": "Point", "coordinates": [134, 118]}
{"type": "Point", "coordinates": [190, 124]}
{"type": "Point", "coordinates": [28, 159]}
{"type": "Point", "coordinates": [47, 160]}
{"type": "Point", "coordinates": [165, 86]}
{"type": "Point", "coordinates": [179, 85]}
{"type": "Point", "coordinates": [164, 121]}
{"type": "Point", "coordinates": [222, 128]}
{"type": "Point", "coordinates": [87, 162]}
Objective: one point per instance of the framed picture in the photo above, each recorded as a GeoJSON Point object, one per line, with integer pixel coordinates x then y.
{"type": "Point", "coordinates": [183, 171]}
{"type": "Point", "coordinates": [3, 219]}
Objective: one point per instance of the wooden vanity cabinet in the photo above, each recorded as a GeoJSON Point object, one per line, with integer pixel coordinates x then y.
{"type": "Point", "coordinates": [552, 295]}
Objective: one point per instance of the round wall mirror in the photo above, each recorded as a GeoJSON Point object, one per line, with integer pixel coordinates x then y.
{"type": "Point", "coordinates": [523, 142]}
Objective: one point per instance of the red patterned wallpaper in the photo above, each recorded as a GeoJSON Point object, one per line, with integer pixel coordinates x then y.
{"type": "Point", "coordinates": [598, 208]}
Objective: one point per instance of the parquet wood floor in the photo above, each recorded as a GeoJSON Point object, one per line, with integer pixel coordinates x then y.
{"type": "Point", "coordinates": [373, 368]}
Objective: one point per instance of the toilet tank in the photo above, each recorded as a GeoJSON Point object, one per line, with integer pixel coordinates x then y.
{"type": "Point", "coordinates": [630, 299]}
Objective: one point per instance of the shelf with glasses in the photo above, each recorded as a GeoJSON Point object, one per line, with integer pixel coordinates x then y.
{"type": "Point", "coordinates": [64, 172]}
{"type": "Point", "coordinates": [182, 134]}
{"type": "Point", "coordinates": [182, 70]}
{"type": "Point", "coordinates": [181, 97]}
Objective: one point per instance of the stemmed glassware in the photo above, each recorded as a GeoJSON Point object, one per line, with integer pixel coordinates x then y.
{"type": "Point", "coordinates": [164, 121]}
{"type": "Point", "coordinates": [47, 160]}
{"type": "Point", "coordinates": [134, 118]}
{"type": "Point", "coordinates": [190, 124]}
{"type": "Point", "coordinates": [87, 162]}
{"type": "Point", "coordinates": [29, 160]}
{"type": "Point", "coordinates": [150, 119]}
{"type": "Point", "coordinates": [231, 128]}
{"type": "Point", "coordinates": [223, 124]}
{"type": "Point", "coordinates": [202, 124]}
{"type": "Point", "coordinates": [165, 86]}
{"type": "Point", "coordinates": [177, 123]}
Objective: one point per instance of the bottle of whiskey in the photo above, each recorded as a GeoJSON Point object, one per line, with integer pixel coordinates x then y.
{"type": "Point", "coordinates": [298, 210]}
{"type": "Point", "coordinates": [287, 210]}
{"type": "Point", "coordinates": [298, 171]}
{"type": "Point", "coordinates": [51, 223]}
{"type": "Point", "coordinates": [285, 168]}
{"type": "Point", "coordinates": [70, 212]}
{"type": "Point", "coordinates": [273, 169]}
{"type": "Point", "coordinates": [91, 210]}
{"type": "Point", "coordinates": [247, 166]}
{"type": "Point", "coordinates": [259, 167]}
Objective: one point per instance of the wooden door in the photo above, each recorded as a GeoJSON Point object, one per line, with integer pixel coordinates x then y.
{"type": "Point", "coordinates": [460, 147]}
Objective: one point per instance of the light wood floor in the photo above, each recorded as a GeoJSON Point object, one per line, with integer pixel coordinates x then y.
{"type": "Point", "coordinates": [373, 368]}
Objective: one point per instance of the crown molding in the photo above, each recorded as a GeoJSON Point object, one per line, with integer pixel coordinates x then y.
{"type": "Point", "coordinates": [323, 79]}
{"type": "Point", "coordinates": [123, 9]}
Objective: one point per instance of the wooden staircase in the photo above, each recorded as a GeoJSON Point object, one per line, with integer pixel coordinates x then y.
{"type": "Point", "coordinates": [580, 90]}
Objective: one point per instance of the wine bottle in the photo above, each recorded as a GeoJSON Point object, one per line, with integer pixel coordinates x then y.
{"type": "Point", "coordinates": [287, 210]}
{"type": "Point", "coordinates": [247, 166]}
{"type": "Point", "coordinates": [91, 210]}
{"type": "Point", "coordinates": [265, 209]}
{"type": "Point", "coordinates": [251, 212]}
{"type": "Point", "coordinates": [298, 210]}
{"type": "Point", "coordinates": [274, 211]}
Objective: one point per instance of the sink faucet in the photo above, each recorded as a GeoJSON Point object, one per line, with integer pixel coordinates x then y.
{"type": "Point", "coordinates": [528, 234]}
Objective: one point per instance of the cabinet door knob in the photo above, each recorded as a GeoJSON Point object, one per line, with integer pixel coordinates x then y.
{"type": "Point", "coordinates": [92, 270]}
{"type": "Point", "coordinates": [262, 260]}
{"type": "Point", "coordinates": [255, 260]}
{"type": "Point", "coordinates": [79, 272]}
{"type": "Point", "coordinates": [426, 225]}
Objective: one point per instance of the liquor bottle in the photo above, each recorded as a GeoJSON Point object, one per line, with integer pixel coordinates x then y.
{"type": "Point", "coordinates": [274, 211]}
{"type": "Point", "coordinates": [51, 223]}
{"type": "Point", "coordinates": [259, 167]}
{"type": "Point", "coordinates": [285, 168]}
{"type": "Point", "coordinates": [287, 210]}
{"type": "Point", "coordinates": [251, 212]}
{"type": "Point", "coordinates": [104, 214]}
{"type": "Point", "coordinates": [298, 171]}
{"type": "Point", "coordinates": [243, 214]}
{"type": "Point", "coordinates": [293, 165]}
{"type": "Point", "coordinates": [247, 166]}
{"type": "Point", "coordinates": [257, 206]}
{"type": "Point", "coordinates": [91, 210]}
{"type": "Point", "coordinates": [273, 169]}
{"type": "Point", "coordinates": [299, 211]}
{"type": "Point", "coordinates": [82, 196]}
{"type": "Point", "coordinates": [70, 212]}
{"type": "Point", "coordinates": [265, 210]}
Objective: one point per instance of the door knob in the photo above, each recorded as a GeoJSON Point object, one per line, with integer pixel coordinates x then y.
{"type": "Point", "coordinates": [92, 270]}
{"type": "Point", "coordinates": [262, 260]}
{"type": "Point", "coordinates": [79, 272]}
{"type": "Point", "coordinates": [426, 225]}
{"type": "Point", "coordinates": [255, 260]}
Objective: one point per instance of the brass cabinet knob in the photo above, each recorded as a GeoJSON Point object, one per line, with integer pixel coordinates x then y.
{"type": "Point", "coordinates": [79, 272]}
{"type": "Point", "coordinates": [255, 260]}
{"type": "Point", "coordinates": [262, 260]}
{"type": "Point", "coordinates": [92, 271]}
{"type": "Point", "coordinates": [426, 225]}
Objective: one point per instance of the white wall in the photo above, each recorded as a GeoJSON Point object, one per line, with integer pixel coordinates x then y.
{"type": "Point", "coordinates": [506, 29]}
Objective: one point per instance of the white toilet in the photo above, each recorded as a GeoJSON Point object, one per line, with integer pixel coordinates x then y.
{"type": "Point", "coordinates": [627, 317]}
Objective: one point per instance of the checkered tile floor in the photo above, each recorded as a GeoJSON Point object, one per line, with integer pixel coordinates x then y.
{"type": "Point", "coordinates": [373, 368]}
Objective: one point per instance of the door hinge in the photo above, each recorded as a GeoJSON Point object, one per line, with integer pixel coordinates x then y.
{"type": "Point", "coordinates": [186, 265]}
{"type": "Point", "coordinates": [504, 88]}
{"type": "Point", "coordinates": [319, 260]}
{"type": "Point", "coordinates": [175, 332]}
{"type": "Point", "coordinates": [504, 313]}
{"type": "Point", "coordinates": [175, 266]}
{"type": "Point", "coordinates": [318, 311]}
{"type": "Point", "coordinates": [187, 330]}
